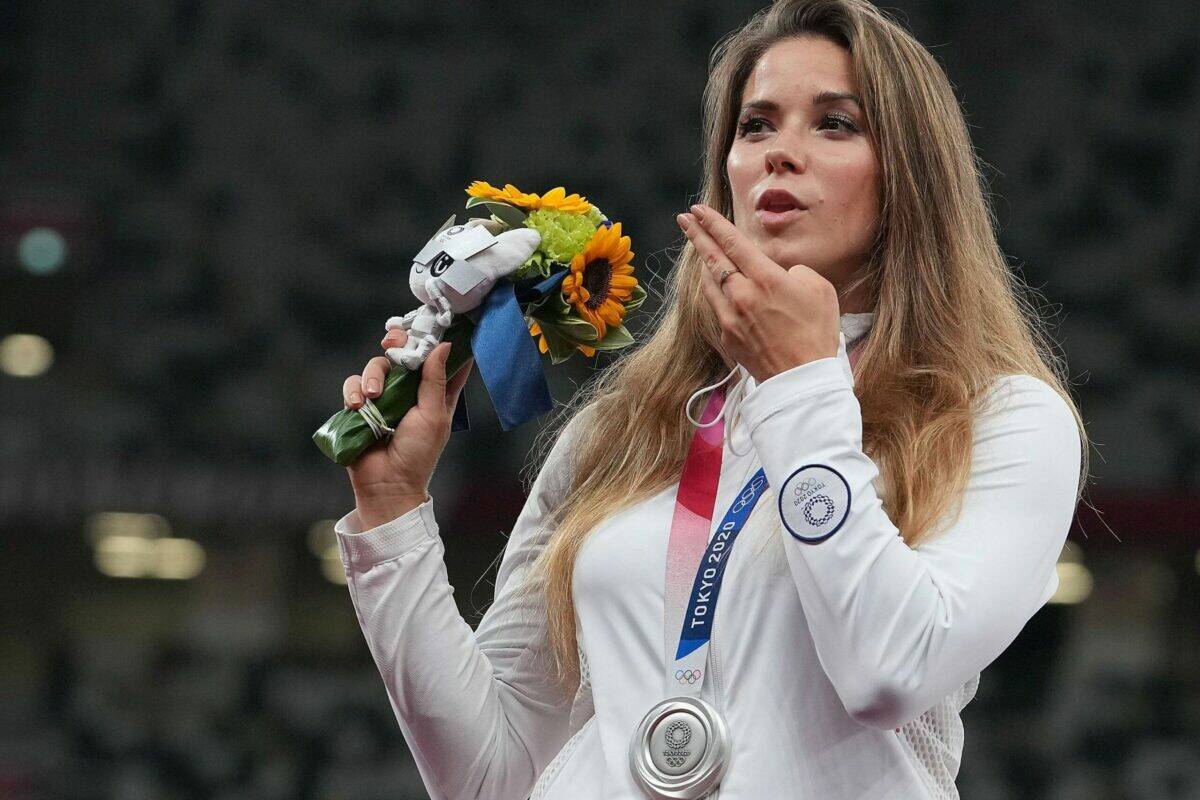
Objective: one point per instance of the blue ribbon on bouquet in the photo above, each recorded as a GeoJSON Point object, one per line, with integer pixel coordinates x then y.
{"type": "Point", "coordinates": [507, 356]}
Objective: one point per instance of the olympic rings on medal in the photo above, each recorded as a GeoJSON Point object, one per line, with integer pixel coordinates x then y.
{"type": "Point", "coordinates": [688, 675]}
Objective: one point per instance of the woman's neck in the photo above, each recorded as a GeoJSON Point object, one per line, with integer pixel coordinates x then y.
{"type": "Point", "coordinates": [856, 302]}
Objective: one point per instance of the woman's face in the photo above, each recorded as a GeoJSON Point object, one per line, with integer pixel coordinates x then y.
{"type": "Point", "coordinates": [791, 136]}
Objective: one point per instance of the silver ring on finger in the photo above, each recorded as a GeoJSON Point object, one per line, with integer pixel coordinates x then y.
{"type": "Point", "coordinates": [725, 273]}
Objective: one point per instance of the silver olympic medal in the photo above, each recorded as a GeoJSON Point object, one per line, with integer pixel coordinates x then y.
{"type": "Point", "coordinates": [680, 749]}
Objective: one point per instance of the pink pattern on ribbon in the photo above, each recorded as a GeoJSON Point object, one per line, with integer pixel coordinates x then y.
{"type": "Point", "coordinates": [693, 516]}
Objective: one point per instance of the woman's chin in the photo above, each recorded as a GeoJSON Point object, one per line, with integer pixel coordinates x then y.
{"type": "Point", "coordinates": [783, 256]}
{"type": "Point", "coordinates": [783, 251]}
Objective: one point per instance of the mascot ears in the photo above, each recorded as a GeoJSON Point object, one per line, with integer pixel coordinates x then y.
{"type": "Point", "coordinates": [512, 249]}
{"type": "Point", "coordinates": [505, 255]}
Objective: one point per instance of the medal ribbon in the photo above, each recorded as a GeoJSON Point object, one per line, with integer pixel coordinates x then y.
{"type": "Point", "coordinates": [695, 564]}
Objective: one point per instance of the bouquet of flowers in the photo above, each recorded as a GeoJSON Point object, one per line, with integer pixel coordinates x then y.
{"type": "Point", "coordinates": [571, 293]}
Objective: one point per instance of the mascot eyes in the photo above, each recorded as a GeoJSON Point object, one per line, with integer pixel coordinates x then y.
{"type": "Point", "coordinates": [440, 264]}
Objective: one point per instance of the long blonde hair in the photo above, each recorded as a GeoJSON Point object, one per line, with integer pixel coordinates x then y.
{"type": "Point", "coordinates": [950, 316]}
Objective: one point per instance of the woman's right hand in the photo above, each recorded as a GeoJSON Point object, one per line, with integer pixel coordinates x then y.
{"type": "Point", "coordinates": [391, 477]}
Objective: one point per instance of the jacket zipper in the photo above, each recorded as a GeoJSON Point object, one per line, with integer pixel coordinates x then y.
{"type": "Point", "coordinates": [718, 689]}
{"type": "Point", "coordinates": [718, 679]}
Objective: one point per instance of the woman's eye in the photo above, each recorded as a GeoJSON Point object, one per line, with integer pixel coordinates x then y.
{"type": "Point", "coordinates": [846, 122]}
{"type": "Point", "coordinates": [744, 127]}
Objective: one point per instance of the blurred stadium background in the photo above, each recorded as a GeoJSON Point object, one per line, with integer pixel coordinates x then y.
{"type": "Point", "coordinates": [206, 214]}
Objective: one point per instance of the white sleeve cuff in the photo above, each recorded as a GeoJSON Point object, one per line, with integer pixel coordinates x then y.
{"type": "Point", "coordinates": [364, 549]}
{"type": "Point", "coordinates": [779, 391]}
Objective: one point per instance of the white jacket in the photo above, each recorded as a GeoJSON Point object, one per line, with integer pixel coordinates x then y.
{"type": "Point", "coordinates": [840, 665]}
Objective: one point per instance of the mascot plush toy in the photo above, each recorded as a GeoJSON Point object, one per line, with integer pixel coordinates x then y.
{"type": "Point", "coordinates": [451, 275]}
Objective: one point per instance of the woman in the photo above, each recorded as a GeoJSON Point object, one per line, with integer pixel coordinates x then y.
{"type": "Point", "coordinates": [847, 642]}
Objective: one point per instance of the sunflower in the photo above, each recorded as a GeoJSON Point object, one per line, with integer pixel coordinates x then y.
{"type": "Point", "coordinates": [601, 278]}
{"type": "Point", "coordinates": [536, 330]}
{"type": "Point", "coordinates": [557, 198]}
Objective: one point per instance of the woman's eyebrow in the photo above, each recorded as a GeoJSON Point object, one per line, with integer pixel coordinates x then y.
{"type": "Point", "coordinates": [827, 96]}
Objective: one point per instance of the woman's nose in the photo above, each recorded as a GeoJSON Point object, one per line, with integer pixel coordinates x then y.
{"type": "Point", "coordinates": [780, 159]}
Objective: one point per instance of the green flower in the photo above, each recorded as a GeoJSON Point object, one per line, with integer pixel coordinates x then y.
{"type": "Point", "coordinates": [563, 233]}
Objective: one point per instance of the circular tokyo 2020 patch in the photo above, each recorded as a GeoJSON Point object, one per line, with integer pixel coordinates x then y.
{"type": "Point", "coordinates": [814, 502]}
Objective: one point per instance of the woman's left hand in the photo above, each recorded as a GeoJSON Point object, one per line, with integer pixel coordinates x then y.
{"type": "Point", "coordinates": [772, 319]}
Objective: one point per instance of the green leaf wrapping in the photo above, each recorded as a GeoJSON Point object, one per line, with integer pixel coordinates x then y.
{"type": "Point", "coordinates": [552, 306]}
{"type": "Point", "coordinates": [559, 348]}
{"type": "Point", "coordinates": [536, 264]}
{"type": "Point", "coordinates": [510, 215]}
{"type": "Point", "coordinates": [345, 435]}
{"type": "Point", "coordinates": [574, 328]}
{"type": "Point", "coordinates": [615, 338]}
{"type": "Point", "coordinates": [638, 296]}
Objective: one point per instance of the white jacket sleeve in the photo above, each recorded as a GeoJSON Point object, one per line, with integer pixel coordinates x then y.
{"type": "Point", "coordinates": [896, 628]}
{"type": "Point", "coordinates": [477, 708]}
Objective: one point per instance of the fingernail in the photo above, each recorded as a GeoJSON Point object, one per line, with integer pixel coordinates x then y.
{"type": "Point", "coordinates": [682, 219]}
{"type": "Point", "coordinates": [355, 397]}
{"type": "Point", "coordinates": [372, 385]}
{"type": "Point", "coordinates": [698, 211]}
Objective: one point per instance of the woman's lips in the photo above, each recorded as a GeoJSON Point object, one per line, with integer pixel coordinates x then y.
{"type": "Point", "coordinates": [774, 220]}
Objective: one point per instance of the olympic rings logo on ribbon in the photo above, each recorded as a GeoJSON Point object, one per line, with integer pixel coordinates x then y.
{"type": "Point", "coordinates": [748, 494]}
{"type": "Point", "coordinates": [688, 675]}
